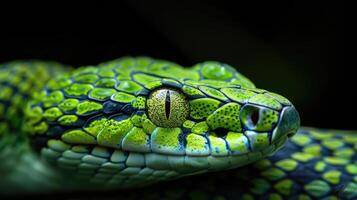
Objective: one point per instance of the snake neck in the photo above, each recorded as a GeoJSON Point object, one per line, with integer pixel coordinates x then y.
{"type": "Point", "coordinates": [19, 82]}
{"type": "Point", "coordinates": [17, 161]}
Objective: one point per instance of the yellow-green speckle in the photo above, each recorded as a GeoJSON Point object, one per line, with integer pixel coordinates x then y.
{"type": "Point", "coordinates": [213, 93]}
{"type": "Point", "coordinates": [6, 92]}
{"type": "Point", "coordinates": [320, 135]}
{"type": "Point", "coordinates": [302, 157]}
{"type": "Point", "coordinates": [287, 164]}
{"type": "Point", "coordinates": [336, 161]}
{"type": "Point", "coordinates": [332, 176]}
{"type": "Point", "coordinates": [216, 71]}
{"type": "Point", "coordinates": [191, 91]}
{"type": "Point", "coordinates": [314, 149]}
{"type": "Point", "coordinates": [122, 97]}
{"type": "Point", "coordinates": [52, 114]}
{"type": "Point", "coordinates": [332, 143]}
{"type": "Point", "coordinates": [86, 78]}
{"type": "Point", "coordinates": [40, 128]}
{"type": "Point", "coordinates": [284, 187]}
{"type": "Point", "coordinates": [148, 126]}
{"type": "Point", "coordinates": [101, 93]}
{"type": "Point", "coordinates": [113, 132]}
{"type": "Point", "coordinates": [106, 82]}
{"type": "Point", "coordinates": [351, 169]}
{"type": "Point", "coordinates": [200, 128]}
{"type": "Point", "coordinates": [320, 166]}
{"type": "Point", "coordinates": [218, 146]}
{"type": "Point", "coordinates": [166, 140]}
{"type": "Point", "coordinates": [202, 108]}
{"type": "Point", "coordinates": [33, 115]}
{"type": "Point", "coordinates": [58, 83]}
{"type": "Point", "coordinates": [87, 107]}
{"type": "Point", "coordinates": [196, 145]}
{"type": "Point", "coordinates": [68, 119]}
{"type": "Point", "coordinates": [280, 98]}
{"type": "Point", "coordinates": [188, 124]}
{"type": "Point", "coordinates": [237, 142]}
{"type": "Point", "coordinates": [136, 140]}
{"type": "Point", "coordinates": [78, 89]}
{"type": "Point", "coordinates": [53, 99]}
{"type": "Point", "coordinates": [144, 78]}
{"type": "Point", "coordinates": [106, 73]}
{"type": "Point", "coordinates": [301, 140]}
{"type": "Point", "coordinates": [139, 102]}
{"type": "Point", "coordinates": [344, 153]}
{"type": "Point", "coordinates": [227, 117]}
{"type": "Point", "coordinates": [350, 138]}
{"type": "Point", "coordinates": [129, 86]}
{"type": "Point", "coordinates": [95, 126]}
{"type": "Point", "coordinates": [317, 188]}
{"type": "Point", "coordinates": [68, 105]}
{"type": "Point", "coordinates": [237, 94]}
{"type": "Point", "coordinates": [265, 100]}
{"type": "Point", "coordinates": [78, 137]}
{"type": "Point", "coordinates": [273, 174]}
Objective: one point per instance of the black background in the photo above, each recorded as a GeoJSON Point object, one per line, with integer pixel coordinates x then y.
{"type": "Point", "coordinates": [295, 48]}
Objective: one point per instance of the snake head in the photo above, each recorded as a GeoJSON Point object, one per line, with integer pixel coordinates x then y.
{"type": "Point", "coordinates": [229, 123]}
{"type": "Point", "coordinates": [143, 120]}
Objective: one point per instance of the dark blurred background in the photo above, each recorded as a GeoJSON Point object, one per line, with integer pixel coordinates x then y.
{"type": "Point", "coordinates": [295, 48]}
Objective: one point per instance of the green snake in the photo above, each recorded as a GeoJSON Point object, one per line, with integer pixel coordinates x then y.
{"type": "Point", "coordinates": [132, 122]}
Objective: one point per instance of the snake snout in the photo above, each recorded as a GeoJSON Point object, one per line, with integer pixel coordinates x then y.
{"type": "Point", "coordinates": [288, 124]}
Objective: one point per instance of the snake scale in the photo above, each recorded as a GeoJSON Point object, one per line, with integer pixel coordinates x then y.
{"type": "Point", "coordinates": [129, 123]}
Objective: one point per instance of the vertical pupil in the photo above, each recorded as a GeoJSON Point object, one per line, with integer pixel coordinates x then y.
{"type": "Point", "coordinates": [167, 104]}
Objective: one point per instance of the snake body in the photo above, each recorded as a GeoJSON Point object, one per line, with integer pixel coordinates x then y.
{"type": "Point", "coordinates": [132, 122]}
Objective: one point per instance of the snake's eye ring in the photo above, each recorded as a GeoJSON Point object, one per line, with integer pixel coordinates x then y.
{"type": "Point", "coordinates": [167, 108]}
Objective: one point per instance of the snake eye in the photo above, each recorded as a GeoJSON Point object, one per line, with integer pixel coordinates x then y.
{"type": "Point", "coordinates": [167, 108]}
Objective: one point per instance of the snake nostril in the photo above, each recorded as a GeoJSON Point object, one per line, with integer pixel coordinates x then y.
{"type": "Point", "coordinates": [254, 117]}
{"type": "Point", "coordinates": [250, 116]}
{"type": "Point", "coordinates": [289, 135]}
